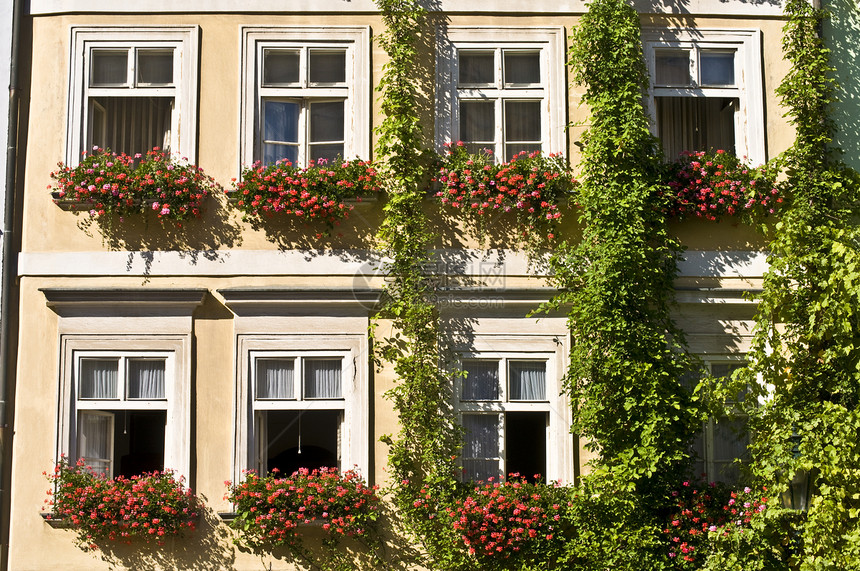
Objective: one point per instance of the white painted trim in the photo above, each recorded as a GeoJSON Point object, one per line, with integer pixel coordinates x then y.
{"type": "Point", "coordinates": [184, 39]}
{"type": "Point", "coordinates": [177, 435]}
{"type": "Point", "coordinates": [363, 265]}
{"type": "Point", "coordinates": [565, 7]}
{"type": "Point", "coordinates": [749, 121]}
{"type": "Point", "coordinates": [352, 344]}
{"type": "Point", "coordinates": [551, 43]}
{"type": "Point", "coordinates": [356, 40]}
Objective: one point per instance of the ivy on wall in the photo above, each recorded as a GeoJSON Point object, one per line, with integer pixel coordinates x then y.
{"type": "Point", "coordinates": [627, 354]}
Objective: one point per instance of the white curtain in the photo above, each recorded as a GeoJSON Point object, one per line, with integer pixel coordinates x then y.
{"type": "Point", "coordinates": [275, 378]}
{"type": "Point", "coordinates": [527, 380]}
{"type": "Point", "coordinates": [146, 379]}
{"type": "Point", "coordinates": [481, 381]}
{"type": "Point", "coordinates": [481, 446]}
{"type": "Point", "coordinates": [522, 67]}
{"type": "Point", "coordinates": [95, 441]}
{"type": "Point", "coordinates": [696, 124]}
{"type": "Point", "coordinates": [98, 378]}
{"type": "Point", "coordinates": [322, 378]}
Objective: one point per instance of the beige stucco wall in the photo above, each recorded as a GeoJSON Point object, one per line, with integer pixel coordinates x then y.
{"type": "Point", "coordinates": [47, 229]}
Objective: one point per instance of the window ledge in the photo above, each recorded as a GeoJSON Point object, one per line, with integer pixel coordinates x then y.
{"type": "Point", "coordinates": [227, 517]}
{"type": "Point", "coordinates": [73, 205]}
{"type": "Point", "coordinates": [56, 523]}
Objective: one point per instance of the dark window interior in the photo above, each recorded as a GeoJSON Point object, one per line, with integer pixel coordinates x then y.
{"type": "Point", "coordinates": [302, 439]}
{"type": "Point", "coordinates": [139, 441]}
{"type": "Point", "coordinates": [525, 443]}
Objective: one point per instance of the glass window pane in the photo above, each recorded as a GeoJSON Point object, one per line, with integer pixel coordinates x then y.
{"type": "Point", "coordinates": [673, 67]}
{"type": "Point", "coordinates": [95, 441]}
{"type": "Point", "coordinates": [130, 124]}
{"type": "Point", "coordinates": [275, 378]}
{"type": "Point", "coordinates": [717, 67]}
{"type": "Point", "coordinates": [481, 381]}
{"type": "Point", "coordinates": [327, 66]}
{"type": "Point", "coordinates": [513, 150]}
{"type": "Point", "coordinates": [98, 378]}
{"type": "Point", "coordinates": [522, 121]}
{"type": "Point", "coordinates": [322, 378]}
{"type": "Point", "coordinates": [280, 67]}
{"type": "Point", "coordinates": [109, 67]}
{"type": "Point", "coordinates": [273, 153]}
{"type": "Point", "coordinates": [281, 121]}
{"type": "Point", "coordinates": [527, 380]}
{"type": "Point", "coordinates": [329, 152]}
{"type": "Point", "coordinates": [477, 121]}
{"type": "Point", "coordinates": [155, 67]}
{"type": "Point", "coordinates": [481, 437]}
{"type": "Point", "coordinates": [696, 124]}
{"type": "Point", "coordinates": [146, 378]}
{"type": "Point", "coordinates": [476, 68]}
{"type": "Point", "coordinates": [327, 121]}
{"type": "Point", "coordinates": [522, 68]}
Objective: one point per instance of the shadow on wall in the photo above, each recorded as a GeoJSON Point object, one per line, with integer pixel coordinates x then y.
{"type": "Point", "coordinates": [841, 33]}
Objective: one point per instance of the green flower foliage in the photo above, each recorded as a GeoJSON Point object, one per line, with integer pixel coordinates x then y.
{"type": "Point", "coordinates": [627, 354]}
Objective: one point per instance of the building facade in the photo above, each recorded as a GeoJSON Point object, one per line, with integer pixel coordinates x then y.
{"type": "Point", "coordinates": [222, 346]}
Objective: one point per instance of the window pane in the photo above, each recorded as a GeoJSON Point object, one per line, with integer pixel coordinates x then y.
{"type": "Point", "coordinates": [527, 380]}
{"type": "Point", "coordinates": [730, 442]}
{"type": "Point", "coordinates": [95, 441]}
{"type": "Point", "coordinates": [274, 153]}
{"type": "Point", "coordinates": [522, 121]}
{"type": "Point", "coordinates": [130, 124]}
{"type": "Point", "coordinates": [327, 66]}
{"type": "Point", "coordinates": [301, 439]}
{"type": "Point", "coordinates": [513, 150]}
{"type": "Point", "coordinates": [139, 441]}
{"type": "Point", "coordinates": [696, 124]}
{"type": "Point", "coordinates": [146, 379]}
{"type": "Point", "coordinates": [525, 444]}
{"type": "Point", "coordinates": [155, 67]}
{"type": "Point", "coordinates": [275, 378]}
{"type": "Point", "coordinates": [481, 381]}
{"type": "Point", "coordinates": [476, 68]}
{"type": "Point", "coordinates": [522, 68]}
{"type": "Point", "coordinates": [322, 378]}
{"type": "Point", "coordinates": [280, 67]}
{"type": "Point", "coordinates": [281, 121]}
{"type": "Point", "coordinates": [328, 152]}
{"type": "Point", "coordinates": [717, 67]}
{"type": "Point", "coordinates": [673, 67]}
{"type": "Point", "coordinates": [477, 121]}
{"type": "Point", "coordinates": [109, 67]}
{"type": "Point", "coordinates": [98, 378]}
{"type": "Point", "coordinates": [481, 446]}
{"type": "Point", "coordinates": [327, 121]}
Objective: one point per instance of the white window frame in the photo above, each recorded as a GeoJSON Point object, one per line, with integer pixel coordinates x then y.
{"type": "Point", "coordinates": [559, 442]}
{"type": "Point", "coordinates": [749, 118]}
{"type": "Point", "coordinates": [550, 43]}
{"type": "Point", "coordinates": [183, 40]}
{"type": "Point", "coordinates": [356, 91]}
{"type": "Point", "coordinates": [174, 349]}
{"type": "Point", "coordinates": [354, 401]}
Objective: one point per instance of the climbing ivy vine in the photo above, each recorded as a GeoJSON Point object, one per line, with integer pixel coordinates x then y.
{"type": "Point", "coordinates": [805, 362]}
{"type": "Point", "coordinates": [422, 454]}
{"type": "Point", "coordinates": [627, 354]}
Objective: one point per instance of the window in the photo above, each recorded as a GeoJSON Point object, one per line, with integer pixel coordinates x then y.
{"type": "Point", "coordinates": [121, 403]}
{"type": "Point", "coordinates": [722, 440]}
{"type": "Point", "coordinates": [305, 96]}
{"type": "Point", "coordinates": [125, 377]}
{"type": "Point", "coordinates": [706, 91]}
{"type": "Point", "coordinates": [133, 89]}
{"type": "Point", "coordinates": [298, 410]}
{"type": "Point", "coordinates": [506, 89]}
{"type": "Point", "coordinates": [504, 401]}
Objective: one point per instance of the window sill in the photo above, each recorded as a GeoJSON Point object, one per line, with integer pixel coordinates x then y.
{"type": "Point", "coordinates": [72, 205]}
{"type": "Point", "coordinates": [364, 200]}
{"type": "Point", "coordinates": [56, 523]}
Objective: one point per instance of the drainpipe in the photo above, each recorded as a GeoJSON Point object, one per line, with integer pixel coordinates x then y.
{"type": "Point", "coordinates": [9, 275]}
